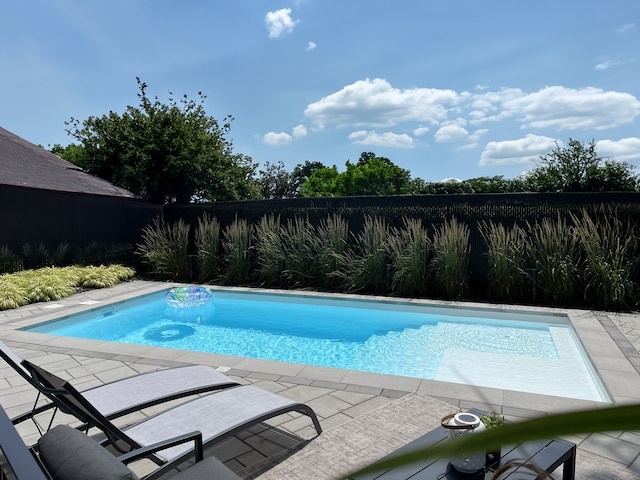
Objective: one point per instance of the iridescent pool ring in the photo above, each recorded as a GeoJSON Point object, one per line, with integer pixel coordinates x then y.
{"type": "Point", "coordinates": [187, 297]}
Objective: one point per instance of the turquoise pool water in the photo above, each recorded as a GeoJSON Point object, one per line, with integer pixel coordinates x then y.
{"type": "Point", "coordinates": [516, 351]}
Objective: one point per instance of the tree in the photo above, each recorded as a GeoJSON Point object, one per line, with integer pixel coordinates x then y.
{"type": "Point", "coordinates": [71, 153]}
{"type": "Point", "coordinates": [578, 168]}
{"type": "Point", "coordinates": [166, 153]}
{"type": "Point", "coordinates": [371, 175]}
{"type": "Point", "coordinates": [275, 182]}
{"type": "Point", "coordinates": [321, 183]}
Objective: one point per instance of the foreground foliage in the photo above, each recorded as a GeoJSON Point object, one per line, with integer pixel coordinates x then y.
{"type": "Point", "coordinates": [617, 418]}
{"type": "Point", "coordinates": [53, 283]}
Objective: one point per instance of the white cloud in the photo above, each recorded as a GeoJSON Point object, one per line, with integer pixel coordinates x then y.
{"type": "Point", "coordinates": [512, 152]}
{"type": "Point", "coordinates": [626, 28]}
{"type": "Point", "coordinates": [311, 46]}
{"type": "Point", "coordinates": [375, 103]}
{"type": "Point", "coordinates": [624, 150]}
{"type": "Point", "coordinates": [420, 131]}
{"type": "Point", "coordinates": [451, 133]}
{"type": "Point", "coordinates": [386, 139]}
{"type": "Point", "coordinates": [607, 64]}
{"type": "Point", "coordinates": [561, 108]}
{"type": "Point", "coordinates": [277, 139]}
{"type": "Point", "coordinates": [279, 22]}
{"type": "Point", "coordinates": [299, 131]}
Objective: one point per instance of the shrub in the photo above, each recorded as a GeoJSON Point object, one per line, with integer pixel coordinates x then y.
{"type": "Point", "coordinates": [207, 238]}
{"type": "Point", "coordinates": [506, 252]}
{"type": "Point", "coordinates": [409, 250]}
{"type": "Point", "coordinates": [164, 248]}
{"type": "Point", "coordinates": [450, 264]}
{"type": "Point", "coordinates": [12, 293]}
{"type": "Point", "coordinates": [237, 239]}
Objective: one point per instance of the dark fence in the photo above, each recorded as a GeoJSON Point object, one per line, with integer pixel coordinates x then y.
{"type": "Point", "coordinates": [49, 218]}
{"type": "Point", "coordinates": [472, 209]}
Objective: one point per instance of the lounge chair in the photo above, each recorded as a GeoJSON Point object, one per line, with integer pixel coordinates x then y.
{"type": "Point", "coordinates": [131, 394]}
{"type": "Point", "coordinates": [65, 453]}
{"type": "Point", "coordinates": [218, 415]}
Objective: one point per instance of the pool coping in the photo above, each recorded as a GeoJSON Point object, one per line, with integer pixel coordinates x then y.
{"type": "Point", "coordinates": [605, 347]}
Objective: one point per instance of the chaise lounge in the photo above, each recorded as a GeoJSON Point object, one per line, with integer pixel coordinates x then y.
{"type": "Point", "coordinates": [64, 453]}
{"type": "Point", "coordinates": [217, 415]}
{"type": "Point", "coordinates": [131, 394]}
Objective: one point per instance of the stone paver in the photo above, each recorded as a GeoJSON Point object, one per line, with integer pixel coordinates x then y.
{"type": "Point", "coordinates": [342, 399]}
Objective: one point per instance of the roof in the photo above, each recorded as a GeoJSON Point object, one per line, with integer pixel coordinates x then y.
{"type": "Point", "coordinates": [24, 164]}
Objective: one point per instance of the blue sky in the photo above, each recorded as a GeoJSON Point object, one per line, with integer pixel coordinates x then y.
{"type": "Point", "coordinates": [456, 88]}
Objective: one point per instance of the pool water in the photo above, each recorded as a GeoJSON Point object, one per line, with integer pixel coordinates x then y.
{"type": "Point", "coordinates": [516, 351]}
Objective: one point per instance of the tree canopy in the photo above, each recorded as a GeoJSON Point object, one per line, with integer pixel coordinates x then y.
{"type": "Point", "coordinates": [371, 175]}
{"type": "Point", "coordinates": [578, 168]}
{"type": "Point", "coordinates": [165, 152]}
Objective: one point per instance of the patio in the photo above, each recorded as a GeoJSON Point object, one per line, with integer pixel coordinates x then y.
{"type": "Point", "coordinates": [364, 416]}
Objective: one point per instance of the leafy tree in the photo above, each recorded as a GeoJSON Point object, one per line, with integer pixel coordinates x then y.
{"type": "Point", "coordinates": [274, 181]}
{"type": "Point", "coordinates": [321, 183]}
{"type": "Point", "coordinates": [166, 153]}
{"type": "Point", "coordinates": [71, 153]}
{"type": "Point", "coordinates": [578, 168]}
{"type": "Point", "coordinates": [302, 172]}
{"type": "Point", "coordinates": [371, 175]}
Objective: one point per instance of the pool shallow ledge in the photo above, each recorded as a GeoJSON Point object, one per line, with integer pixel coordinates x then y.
{"type": "Point", "coordinates": [620, 378]}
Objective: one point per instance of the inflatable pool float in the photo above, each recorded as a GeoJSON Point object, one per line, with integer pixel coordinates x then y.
{"type": "Point", "coordinates": [186, 297]}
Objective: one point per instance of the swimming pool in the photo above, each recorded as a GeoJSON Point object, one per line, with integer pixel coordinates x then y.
{"type": "Point", "coordinates": [511, 350]}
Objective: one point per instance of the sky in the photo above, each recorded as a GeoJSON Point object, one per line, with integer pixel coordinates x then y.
{"type": "Point", "coordinates": [445, 89]}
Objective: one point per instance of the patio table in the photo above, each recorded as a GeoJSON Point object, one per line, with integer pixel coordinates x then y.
{"type": "Point", "coordinates": [545, 454]}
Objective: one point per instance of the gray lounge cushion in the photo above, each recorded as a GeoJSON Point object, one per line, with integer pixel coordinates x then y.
{"type": "Point", "coordinates": [69, 454]}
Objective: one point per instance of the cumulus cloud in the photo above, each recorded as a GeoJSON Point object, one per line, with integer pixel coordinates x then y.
{"type": "Point", "coordinates": [512, 152]}
{"type": "Point", "coordinates": [375, 103]}
{"type": "Point", "coordinates": [299, 131]}
{"type": "Point", "coordinates": [277, 139]}
{"type": "Point", "coordinates": [561, 108]}
{"type": "Point", "coordinates": [451, 133]}
{"type": "Point", "coordinates": [386, 139]}
{"type": "Point", "coordinates": [624, 150]}
{"type": "Point", "coordinates": [311, 46]}
{"type": "Point", "coordinates": [420, 131]}
{"type": "Point", "coordinates": [279, 22]}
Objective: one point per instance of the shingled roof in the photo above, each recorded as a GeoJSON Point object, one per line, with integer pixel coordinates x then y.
{"type": "Point", "coordinates": [27, 165]}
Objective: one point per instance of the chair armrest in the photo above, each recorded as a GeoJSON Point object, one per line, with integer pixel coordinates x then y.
{"type": "Point", "coordinates": [143, 452]}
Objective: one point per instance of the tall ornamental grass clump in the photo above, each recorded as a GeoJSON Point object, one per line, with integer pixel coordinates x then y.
{"type": "Point", "coordinates": [506, 254]}
{"type": "Point", "coordinates": [237, 239]}
{"type": "Point", "coordinates": [300, 256]}
{"type": "Point", "coordinates": [165, 249]}
{"type": "Point", "coordinates": [409, 251]}
{"type": "Point", "coordinates": [269, 250]}
{"type": "Point", "coordinates": [450, 263]}
{"type": "Point", "coordinates": [9, 262]}
{"type": "Point", "coordinates": [610, 266]}
{"type": "Point", "coordinates": [207, 240]}
{"type": "Point", "coordinates": [366, 262]}
{"type": "Point", "coordinates": [554, 251]}
{"type": "Point", "coordinates": [331, 246]}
